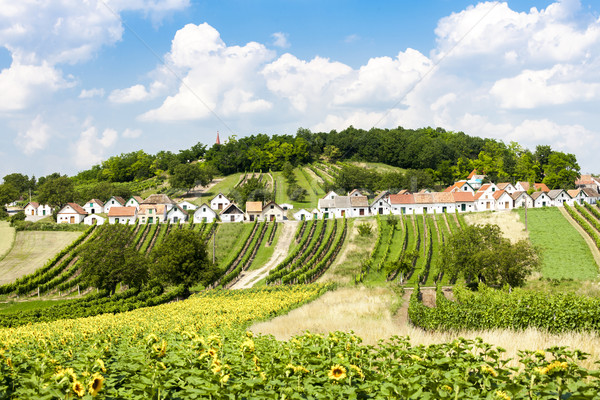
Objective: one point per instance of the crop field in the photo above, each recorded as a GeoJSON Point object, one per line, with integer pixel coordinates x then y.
{"type": "Point", "coordinates": [565, 253]}
{"type": "Point", "coordinates": [31, 250]}
{"type": "Point", "coordinates": [7, 238]}
{"type": "Point", "coordinates": [198, 348]}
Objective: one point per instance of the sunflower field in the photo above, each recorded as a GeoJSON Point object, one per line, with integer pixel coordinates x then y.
{"type": "Point", "coordinates": [199, 349]}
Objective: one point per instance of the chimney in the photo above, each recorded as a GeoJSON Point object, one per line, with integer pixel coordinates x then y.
{"type": "Point", "coordinates": [218, 140]}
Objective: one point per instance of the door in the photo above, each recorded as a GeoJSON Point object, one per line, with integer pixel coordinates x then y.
{"type": "Point", "coordinates": [325, 216]}
{"type": "Point", "coordinates": [203, 219]}
{"type": "Point", "coordinates": [43, 212]}
{"type": "Point", "coordinates": [380, 211]}
{"type": "Point", "coordinates": [32, 212]}
{"type": "Point", "coordinates": [463, 207]}
{"type": "Point", "coordinates": [272, 218]}
{"type": "Point", "coordinates": [220, 206]}
{"type": "Point", "coordinates": [361, 211]}
{"type": "Point", "coordinates": [343, 213]}
{"type": "Point", "coordinates": [444, 209]}
{"type": "Point", "coordinates": [487, 205]}
{"type": "Point", "coordinates": [72, 220]}
{"type": "Point", "coordinates": [506, 205]}
{"type": "Point", "coordinates": [150, 220]}
{"type": "Point", "coordinates": [302, 217]}
{"type": "Point", "coordinates": [251, 218]}
{"type": "Point", "coordinates": [232, 218]}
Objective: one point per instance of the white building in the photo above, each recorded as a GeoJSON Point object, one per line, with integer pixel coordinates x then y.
{"type": "Point", "coordinates": [92, 219]}
{"type": "Point", "coordinates": [187, 206]}
{"type": "Point", "coordinates": [303, 215]}
{"type": "Point", "coordinates": [504, 200]}
{"type": "Point", "coordinates": [380, 204]}
{"type": "Point", "coordinates": [204, 214]}
{"type": "Point", "coordinates": [177, 215]}
{"type": "Point", "coordinates": [559, 197]}
{"type": "Point", "coordinates": [122, 215]}
{"type": "Point", "coordinates": [232, 213]}
{"type": "Point", "coordinates": [521, 200]}
{"type": "Point", "coordinates": [114, 201]}
{"type": "Point", "coordinates": [72, 213]}
{"type": "Point", "coordinates": [272, 212]}
{"type": "Point", "coordinates": [134, 201]}
{"type": "Point", "coordinates": [219, 202]}
{"type": "Point", "coordinates": [541, 199]}
{"type": "Point", "coordinates": [94, 206]}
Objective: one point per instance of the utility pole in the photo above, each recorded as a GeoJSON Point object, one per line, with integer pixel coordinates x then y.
{"type": "Point", "coordinates": [526, 230]}
{"type": "Point", "coordinates": [214, 244]}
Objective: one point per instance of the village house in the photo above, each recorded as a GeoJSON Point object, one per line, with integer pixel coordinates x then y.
{"type": "Point", "coordinates": [381, 204]}
{"type": "Point", "coordinates": [272, 212]}
{"type": "Point", "coordinates": [72, 213]}
{"type": "Point", "coordinates": [334, 206]}
{"type": "Point", "coordinates": [578, 196]}
{"type": "Point", "coordinates": [302, 215]}
{"type": "Point", "coordinates": [541, 199]}
{"type": "Point", "coordinates": [593, 196]}
{"type": "Point", "coordinates": [559, 197]}
{"type": "Point", "coordinates": [360, 206]}
{"type": "Point", "coordinates": [177, 215]}
{"type": "Point", "coordinates": [204, 214]}
{"type": "Point", "coordinates": [31, 208]}
{"type": "Point", "coordinates": [589, 182]}
{"type": "Point", "coordinates": [122, 215]}
{"type": "Point", "coordinates": [253, 210]}
{"type": "Point", "coordinates": [443, 202]}
{"type": "Point", "coordinates": [507, 187]}
{"type": "Point", "coordinates": [92, 219]}
{"type": "Point", "coordinates": [423, 203]}
{"type": "Point", "coordinates": [134, 201]}
{"type": "Point", "coordinates": [114, 201]}
{"type": "Point", "coordinates": [152, 213]}
{"type": "Point", "coordinates": [219, 202]}
{"type": "Point", "coordinates": [187, 206]}
{"type": "Point", "coordinates": [94, 206]}
{"type": "Point", "coordinates": [316, 213]}
{"type": "Point", "coordinates": [460, 186]}
{"type": "Point", "coordinates": [232, 213]}
{"type": "Point", "coordinates": [521, 200]}
{"type": "Point", "coordinates": [402, 204]}
{"type": "Point", "coordinates": [484, 197]}
{"type": "Point", "coordinates": [475, 179]}
{"type": "Point", "coordinates": [504, 200]}
{"type": "Point", "coordinates": [464, 201]}
{"type": "Point", "coordinates": [286, 206]}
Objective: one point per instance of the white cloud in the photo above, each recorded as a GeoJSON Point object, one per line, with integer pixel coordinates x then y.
{"type": "Point", "coordinates": [209, 69]}
{"type": "Point", "coordinates": [351, 38]}
{"type": "Point", "coordinates": [90, 148]}
{"type": "Point", "coordinates": [22, 85]}
{"type": "Point", "coordinates": [35, 138]}
{"type": "Point", "coordinates": [280, 39]}
{"type": "Point", "coordinates": [132, 133]}
{"type": "Point", "coordinates": [129, 95]}
{"type": "Point", "coordinates": [241, 101]}
{"type": "Point", "coordinates": [89, 93]}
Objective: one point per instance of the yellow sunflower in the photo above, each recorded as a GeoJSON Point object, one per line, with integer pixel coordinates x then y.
{"type": "Point", "coordinates": [337, 372]}
{"type": "Point", "coordinates": [96, 384]}
{"type": "Point", "coordinates": [78, 388]}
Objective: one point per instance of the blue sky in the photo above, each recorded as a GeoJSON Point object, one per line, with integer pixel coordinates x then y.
{"type": "Point", "coordinates": [81, 81]}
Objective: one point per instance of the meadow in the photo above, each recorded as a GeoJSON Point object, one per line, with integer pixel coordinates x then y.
{"type": "Point", "coordinates": [565, 254]}
{"type": "Point", "coordinates": [7, 238]}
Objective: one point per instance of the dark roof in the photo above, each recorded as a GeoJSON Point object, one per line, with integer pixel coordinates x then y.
{"type": "Point", "coordinates": [158, 199]}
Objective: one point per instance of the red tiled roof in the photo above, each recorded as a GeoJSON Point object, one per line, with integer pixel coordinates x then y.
{"type": "Point", "coordinates": [34, 204]}
{"type": "Point", "coordinates": [402, 199]}
{"type": "Point", "coordinates": [542, 187]}
{"type": "Point", "coordinates": [254, 206]}
{"type": "Point", "coordinates": [472, 174]}
{"type": "Point", "coordinates": [463, 197]}
{"type": "Point", "coordinates": [442, 197]}
{"type": "Point", "coordinates": [502, 185]}
{"type": "Point", "coordinates": [423, 198]}
{"type": "Point", "coordinates": [78, 209]}
{"type": "Point", "coordinates": [525, 185]}
{"type": "Point", "coordinates": [122, 212]}
{"type": "Point", "coordinates": [484, 187]}
{"type": "Point", "coordinates": [498, 193]}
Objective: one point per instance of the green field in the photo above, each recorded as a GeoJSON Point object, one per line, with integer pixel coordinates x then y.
{"type": "Point", "coordinates": [224, 186]}
{"type": "Point", "coordinates": [31, 251]}
{"type": "Point", "coordinates": [7, 238]}
{"type": "Point", "coordinates": [565, 254]}
{"type": "Point", "coordinates": [230, 238]}
{"type": "Point", "coordinates": [11, 307]}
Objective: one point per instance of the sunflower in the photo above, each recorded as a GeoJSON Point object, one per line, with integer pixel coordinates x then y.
{"type": "Point", "coordinates": [78, 388]}
{"type": "Point", "coordinates": [96, 384]}
{"type": "Point", "coordinates": [337, 372]}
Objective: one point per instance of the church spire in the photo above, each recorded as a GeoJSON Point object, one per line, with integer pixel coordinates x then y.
{"type": "Point", "coordinates": [218, 140]}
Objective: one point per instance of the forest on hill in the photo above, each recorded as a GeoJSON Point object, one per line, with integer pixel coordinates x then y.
{"type": "Point", "coordinates": [429, 156]}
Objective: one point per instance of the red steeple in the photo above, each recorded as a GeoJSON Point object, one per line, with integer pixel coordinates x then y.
{"type": "Point", "coordinates": [218, 140]}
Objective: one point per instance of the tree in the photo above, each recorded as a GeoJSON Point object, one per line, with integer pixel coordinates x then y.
{"type": "Point", "coordinates": [333, 153]}
{"type": "Point", "coordinates": [20, 182]}
{"type": "Point", "coordinates": [561, 171]}
{"type": "Point", "coordinates": [186, 176]}
{"type": "Point", "coordinates": [181, 259]}
{"type": "Point", "coordinates": [57, 191]}
{"type": "Point", "coordinates": [480, 253]}
{"type": "Point", "coordinates": [108, 260]}
{"type": "Point", "coordinates": [8, 194]}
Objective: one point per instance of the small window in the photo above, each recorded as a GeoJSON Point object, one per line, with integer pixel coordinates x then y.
{"type": "Point", "coordinates": [272, 207]}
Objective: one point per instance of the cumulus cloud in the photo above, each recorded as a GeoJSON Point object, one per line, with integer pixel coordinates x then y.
{"type": "Point", "coordinates": [35, 138]}
{"type": "Point", "coordinates": [91, 147]}
{"type": "Point", "coordinates": [90, 93]}
{"type": "Point", "coordinates": [280, 39]}
{"type": "Point", "coordinates": [210, 69]}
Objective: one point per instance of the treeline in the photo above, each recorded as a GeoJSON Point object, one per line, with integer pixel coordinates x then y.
{"type": "Point", "coordinates": [439, 156]}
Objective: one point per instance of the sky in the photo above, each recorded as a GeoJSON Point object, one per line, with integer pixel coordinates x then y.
{"type": "Point", "coordinates": [81, 81]}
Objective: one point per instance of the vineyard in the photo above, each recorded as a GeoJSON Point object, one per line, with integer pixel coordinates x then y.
{"type": "Point", "coordinates": [198, 348]}
{"type": "Point", "coordinates": [407, 249]}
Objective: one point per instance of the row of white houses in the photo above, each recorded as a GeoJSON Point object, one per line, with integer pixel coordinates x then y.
{"type": "Point", "coordinates": [460, 197]}
{"type": "Point", "coordinates": [159, 208]}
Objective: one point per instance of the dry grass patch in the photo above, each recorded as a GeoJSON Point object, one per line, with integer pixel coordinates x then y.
{"type": "Point", "coordinates": [369, 313]}
{"type": "Point", "coordinates": [31, 251]}
{"type": "Point", "coordinates": [509, 222]}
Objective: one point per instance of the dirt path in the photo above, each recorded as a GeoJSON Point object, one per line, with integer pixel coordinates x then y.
{"type": "Point", "coordinates": [197, 192]}
{"type": "Point", "coordinates": [314, 176]}
{"type": "Point", "coordinates": [249, 278]}
{"type": "Point", "coordinates": [586, 237]}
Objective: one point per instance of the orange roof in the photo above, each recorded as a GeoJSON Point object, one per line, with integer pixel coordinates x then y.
{"type": "Point", "coordinates": [525, 185]}
{"type": "Point", "coordinates": [463, 197]}
{"type": "Point", "coordinates": [122, 212]}
{"type": "Point", "coordinates": [484, 187]}
{"type": "Point", "coordinates": [478, 195]}
{"type": "Point", "coordinates": [498, 193]}
{"type": "Point", "coordinates": [573, 193]}
{"type": "Point", "coordinates": [585, 180]}
{"type": "Point", "coordinates": [33, 204]}
{"type": "Point", "coordinates": [254, 206]}
{"type": "Point", "coordinates": [402, 199]}
{"type": "Point", "coordinates": [77, 208]}
{"type": "Point", "coordinates": [542, 187]}
{"type": "Point", "coordinates": [423, 198]}
{"type": "Point", "coordinates": [442, 197]}
{"type": "Point", "coordinates": [472, 174]}
{"type": "Point", "coordinates": [502, 185]}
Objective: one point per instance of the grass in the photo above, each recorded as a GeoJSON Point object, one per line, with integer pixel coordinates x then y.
{"type": "Point", "coordinates": [564, 252]}
{"type": "Point", "coordinates": [31, 251]}
{"type": "Point", "coordinates": [12, 306]}
{"type": "Point", "coordinates": [7, 238]}
{"type": "Point", "coordinates": [224, 186]}
{"type": "Point", "coordinates": [230, 239]}
{"type": "Point", "coordinates": [510, 223]}
{"type": "Point", "coordinates": [313, 189]}
{"type": "Point", "coordinates": [379, 167]}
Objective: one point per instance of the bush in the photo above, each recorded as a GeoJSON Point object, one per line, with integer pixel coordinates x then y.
{"type": "Point", "coordinates": [20, 216]}
{"type": "Point", "coordinates": [364, 229]}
